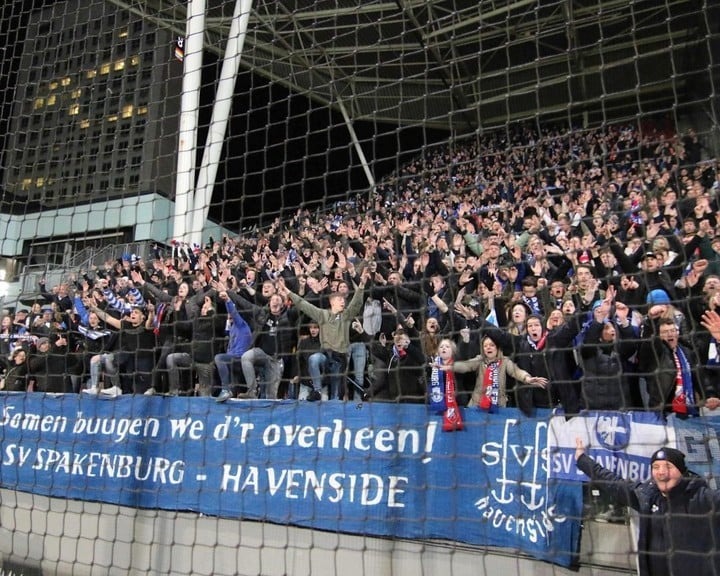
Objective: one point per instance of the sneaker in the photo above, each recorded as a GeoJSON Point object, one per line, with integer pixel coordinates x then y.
{"type": "Point", "coordinates": [249, 395]}
{"type": "Point", "coordinates": [314, 396]}
{"type": "Point", "coordinates": [94, 391]}
{"type": "Point", "coordinates": [224, 395]}
{"type": "Point", "coordinates": [111, 392]}
{"type": "Point", "coordinates": [149, 392]}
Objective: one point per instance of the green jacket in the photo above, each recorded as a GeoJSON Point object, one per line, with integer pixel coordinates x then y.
{"type": "Point", "coordinates": [334, 329]}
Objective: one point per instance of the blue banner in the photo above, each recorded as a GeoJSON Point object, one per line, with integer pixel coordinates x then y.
{"type": "Point", "coordinates": [373, 469]}
{"type": "Point", "coordinates": [699, 439]}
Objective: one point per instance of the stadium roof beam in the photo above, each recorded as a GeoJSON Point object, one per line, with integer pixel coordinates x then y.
{"type": "Point", "coordinates": [438, 63]}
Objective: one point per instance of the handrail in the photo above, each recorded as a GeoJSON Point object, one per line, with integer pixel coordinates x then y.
{"type": "Point", "coordinates": [83, 260]}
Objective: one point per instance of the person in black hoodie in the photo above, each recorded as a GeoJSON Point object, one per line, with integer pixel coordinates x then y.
{"type": "Point", "coordinates": [50, 365]}
{"type": "Point", "coordinates": [543, 353]}
{"type": "Point", "coordinates": [399, 370]}
{"type": "Point", "coordinates": [308, 344]}
{"type": "Point", "coordinates": [15, 378]}
{"type": "Point", "coordinates": [607, 346]}
{"type": "Point", "coordinates": [679, 514]}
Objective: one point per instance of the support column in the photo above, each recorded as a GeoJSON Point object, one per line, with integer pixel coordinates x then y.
{"type": "Point", "coordinates": [218, 124]}
{"type": "Point", "coordinates": [356, 144]}
{"type": "Point", "coordinates": [189, 111]}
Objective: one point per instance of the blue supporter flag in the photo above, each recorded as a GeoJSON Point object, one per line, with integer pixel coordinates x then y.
{"type": "Point", "coordinates": [492, 318]}
{"type": "Point", "coordinates": [375, 469]}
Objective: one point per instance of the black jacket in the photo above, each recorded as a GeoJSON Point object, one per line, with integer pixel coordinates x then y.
{"type": "Point", "coordinates": [604, 385]}
{"type": "Point", "coordinates": [678, 533]}
{"type": "Point", "coordinates": [276, 335]}
{"type": "Point", "coordinates": [398, 379]}
{"type": "Point", "coordinates": [658, 365]}
{"type": "Point", "coordinates": [554, 361]}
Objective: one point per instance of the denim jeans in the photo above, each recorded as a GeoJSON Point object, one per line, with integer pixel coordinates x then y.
{"type": "Point", "coordinates": [175, 362]}
{"type": "Point", "coordinates": [270, 369]}
{"type": "Point", "coordinates": [358, 353]}
{"type": "Point", "coordinates": [229, 369]}
{"type": "Point", "coordinates": [100, 362]}
{"type": "Point", "coordinates": [333, 366]}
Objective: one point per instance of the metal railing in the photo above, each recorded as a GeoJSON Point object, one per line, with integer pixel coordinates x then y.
{"type": "Point", "coordinates": [83, 260]}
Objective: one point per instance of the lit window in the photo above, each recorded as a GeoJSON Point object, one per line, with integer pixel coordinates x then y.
{"type": "Point", "coordinates": [123, 34]}
{"type": "Point", "coordinates": [51, 100]}
{"type": "Point", "coordinates": [134, 60]}
{"type": "Point", "coordinates": [112, 118]}
{"type": "Point", "coordinates": [26, 183]}
{"type": "Point", "coordinates": [76, 93]}
{"type": "Point", "coordinates": [105, 69]}
{"type": "Point", "coordinates": [127, 111]}
{"type": "Point", "coordinates": [85, 124]}
{"type": "Point", "coordinates": [39, 103]}
{"type": "Point", "coordinates": [53, 85]}
{"type": "Point", "coordinates": [119, 65]}
{"type": "Point", "coordinates": [91, 73]}
{"type": "Point", "coordinates": [74, 110]}
{"type": "Point", "coordinates": [142, 110]}
{"type": "Point", "coordinates": [40, 182]}
{"type": "Point", "coordinates": [65, 81]}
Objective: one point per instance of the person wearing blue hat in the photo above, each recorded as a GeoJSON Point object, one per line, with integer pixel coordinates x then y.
{"type": "Point", "coordinates": [658, 296]}
{"type": "Point", "coordinates": [679, 513]}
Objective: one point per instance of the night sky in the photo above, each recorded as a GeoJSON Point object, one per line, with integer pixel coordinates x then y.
{"type": "Point", "coordinates": [282, 150]}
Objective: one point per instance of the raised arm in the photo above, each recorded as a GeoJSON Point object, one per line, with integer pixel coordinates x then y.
{"type": "Point", "coordinates": [105, 317]}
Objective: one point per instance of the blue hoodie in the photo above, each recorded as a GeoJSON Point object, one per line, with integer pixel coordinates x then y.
{"type": "Point", "coordinates": [241, 335]}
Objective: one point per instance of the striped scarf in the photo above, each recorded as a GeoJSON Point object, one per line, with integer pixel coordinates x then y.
{"type": "Point", "coordinates": [436, 388]}
{"type": "Point", "coordinates": [683, 402]}
{"type": "Point", "coordinates": [491, 387]}
{"type": "Point", "coordinates": [157, 320]}
{"type": "Point", "coordinates": [452, 417]}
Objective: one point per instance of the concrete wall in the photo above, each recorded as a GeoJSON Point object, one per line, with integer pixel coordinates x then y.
{"type": "Point", "coordinates": [85, 538]}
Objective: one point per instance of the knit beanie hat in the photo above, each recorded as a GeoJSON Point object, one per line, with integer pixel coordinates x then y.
{"type": "Point", "coordinates": [671, 455]}
{"type": "Point", "coordinates": [658, 296]}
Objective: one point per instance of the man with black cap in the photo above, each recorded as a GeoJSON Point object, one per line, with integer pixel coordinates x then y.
{"type": "Point", "coordinates": [679, 514]}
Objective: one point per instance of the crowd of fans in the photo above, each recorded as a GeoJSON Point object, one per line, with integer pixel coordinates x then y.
{"type": "Point", "coordinates": [577, 269]}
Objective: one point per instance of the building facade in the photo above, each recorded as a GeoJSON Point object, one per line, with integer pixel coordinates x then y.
{"type": "Point", "coordinates": [96, 109]}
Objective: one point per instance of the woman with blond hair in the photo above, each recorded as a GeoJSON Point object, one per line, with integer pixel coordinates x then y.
{"type": "Point", "coordinates": [493, 369]}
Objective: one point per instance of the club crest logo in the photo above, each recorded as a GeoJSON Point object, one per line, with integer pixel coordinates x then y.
{"type": "Point", "coordinates": [613, 431]}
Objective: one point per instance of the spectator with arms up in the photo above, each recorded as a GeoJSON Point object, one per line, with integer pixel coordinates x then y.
{"type": "Point", "coordinates": [335, 325]}
{"type": "Point", "coordinates": [240, 340]}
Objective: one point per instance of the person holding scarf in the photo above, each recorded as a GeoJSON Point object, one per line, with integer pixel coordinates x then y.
{"type": "Point", "coordinates": [442, 388]}
{"type": "Point", "coordinates": [670, 370]}
{"type": "Point", "coordinates": [493, 369]}
{"type": "Point", "coordinates": [544, 353]}
{"type": "Point", "coordinates": [529, 295]}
